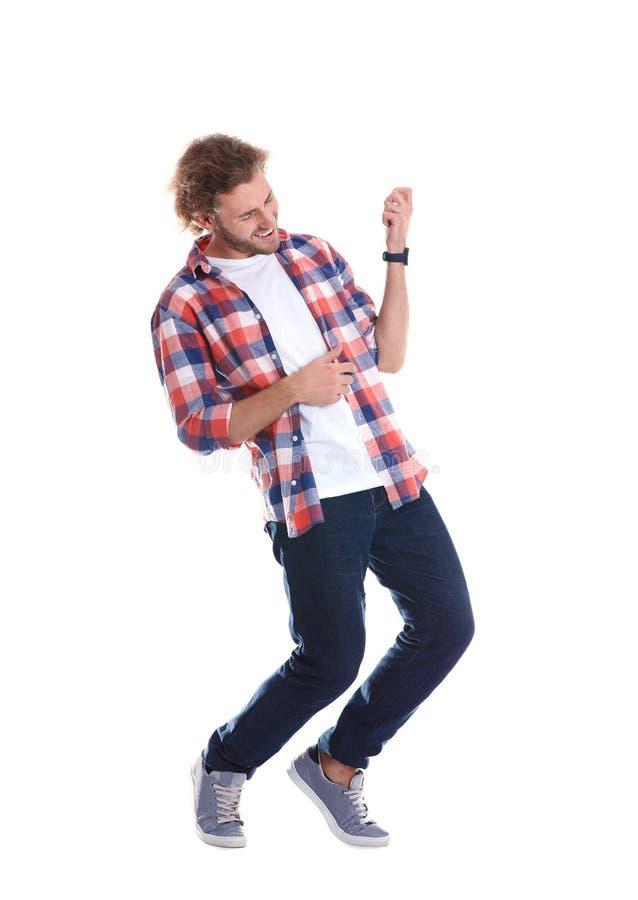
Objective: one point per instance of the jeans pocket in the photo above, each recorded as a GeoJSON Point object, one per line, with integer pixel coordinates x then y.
{"type": "Point", "coordinates": [271, 528]}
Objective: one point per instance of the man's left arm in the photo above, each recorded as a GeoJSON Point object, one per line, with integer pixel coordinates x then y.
{"type": "Point", "coordinates": [391, 327]}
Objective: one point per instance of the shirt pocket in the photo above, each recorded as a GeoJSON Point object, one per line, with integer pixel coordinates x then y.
{"type": "Point", "coordinates": [226, 389]}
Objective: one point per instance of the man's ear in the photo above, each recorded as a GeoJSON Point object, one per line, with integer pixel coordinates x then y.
{"type": "Point", "coordinates": [204, 220]}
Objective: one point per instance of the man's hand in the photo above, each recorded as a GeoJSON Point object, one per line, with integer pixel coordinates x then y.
{"type": "Point", "coordinates": [319, 383]}
{"type": "Point", "coordinates": [397, 212]}
{"type": "Point", "coordinates": [323, 380]}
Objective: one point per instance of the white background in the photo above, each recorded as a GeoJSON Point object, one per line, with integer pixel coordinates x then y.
{"type": "Point", "coordinates": [142, 604]}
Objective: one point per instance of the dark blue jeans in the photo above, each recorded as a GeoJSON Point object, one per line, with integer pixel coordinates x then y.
{"type": "Point", "coordinates": [411, 553]}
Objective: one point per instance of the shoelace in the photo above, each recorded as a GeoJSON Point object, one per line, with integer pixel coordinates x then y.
{"type": "Point", "coordinates": [355, 795]}
{"type": "Point", "coordinates": [227, 796]}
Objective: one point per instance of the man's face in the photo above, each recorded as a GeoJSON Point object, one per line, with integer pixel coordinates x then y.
{"type": "Point", "coordinates": [245, 221]}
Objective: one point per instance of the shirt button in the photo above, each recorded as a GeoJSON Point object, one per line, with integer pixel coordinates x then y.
{"type": "Point", "coordinates": [295, 438]}
{"type": "Point", "coordinates": [258, 315]}
{"type": "Point", "coordinates": [273, 356]}
{"type": "Point", "coordinates": [293, 483]}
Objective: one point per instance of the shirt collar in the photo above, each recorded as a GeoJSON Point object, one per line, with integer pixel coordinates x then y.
{"type": "Point", "coordinates": [197, 258]}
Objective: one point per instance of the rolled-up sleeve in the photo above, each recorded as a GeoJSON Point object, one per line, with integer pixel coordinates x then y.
{"type": "Point", "coordinates": [186, 371]}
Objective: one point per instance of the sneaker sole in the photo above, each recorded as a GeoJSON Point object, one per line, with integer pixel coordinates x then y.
{"type": "Point", "coordinates": [338, 832]}
{"type": "Point", "coordinates": [212, 839]}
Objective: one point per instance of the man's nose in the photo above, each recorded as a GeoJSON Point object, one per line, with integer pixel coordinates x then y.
{"type": "Point", "coordinates": [266, 219]}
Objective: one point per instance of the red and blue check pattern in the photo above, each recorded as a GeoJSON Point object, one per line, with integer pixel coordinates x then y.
{"type": "Point", "coordinates": [212, 348]}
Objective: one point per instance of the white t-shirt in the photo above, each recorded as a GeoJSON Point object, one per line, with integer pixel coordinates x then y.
{"type": "Point", "coordinates": [339, 460]}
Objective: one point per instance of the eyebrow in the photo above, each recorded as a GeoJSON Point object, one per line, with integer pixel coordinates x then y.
{"type": "Point", "coordinates": [249, 211]}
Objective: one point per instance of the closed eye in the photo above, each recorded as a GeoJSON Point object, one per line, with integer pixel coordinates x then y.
{"type": "Point", "coordinates": [247, 215]}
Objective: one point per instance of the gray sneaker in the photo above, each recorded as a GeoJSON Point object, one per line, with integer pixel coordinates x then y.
{"type": "Point", "coordinates": [217, 806]}
{"type": "Point", "coordinates": [343, 808]}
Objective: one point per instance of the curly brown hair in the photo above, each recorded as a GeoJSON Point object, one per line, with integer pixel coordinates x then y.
{"type": "Point", "coordinates": [210, 166]}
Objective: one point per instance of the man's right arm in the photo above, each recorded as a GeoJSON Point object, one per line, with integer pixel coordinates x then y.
{"type": "Point", "coordinates": [318, 383]}
{"type": "Point", "coordinates": [204, 421]}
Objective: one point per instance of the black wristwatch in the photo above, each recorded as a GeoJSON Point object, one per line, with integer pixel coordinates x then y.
{"type": "Point", "coordinates": [396, 257]}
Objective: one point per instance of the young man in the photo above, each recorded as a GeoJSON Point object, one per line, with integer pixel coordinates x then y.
{"type": "Point", "coordinates": [264, 339]}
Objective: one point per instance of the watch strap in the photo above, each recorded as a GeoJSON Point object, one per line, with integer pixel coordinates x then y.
{"type": "Point", "coordinates": [397, 257]}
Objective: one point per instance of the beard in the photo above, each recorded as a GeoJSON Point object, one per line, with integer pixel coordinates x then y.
{"type": "Point", "coordinates": [249, 246]}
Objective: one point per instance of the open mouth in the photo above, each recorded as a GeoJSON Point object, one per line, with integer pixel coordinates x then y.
{"type": "Point", "coordinates": [265, 234]}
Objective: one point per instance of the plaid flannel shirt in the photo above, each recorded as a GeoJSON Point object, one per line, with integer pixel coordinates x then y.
{"type": "Point", "coordinates": [212, 347]}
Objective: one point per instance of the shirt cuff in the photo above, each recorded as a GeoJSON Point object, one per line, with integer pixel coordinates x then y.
{"type": "Point", "coordinates": [217, 425]}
